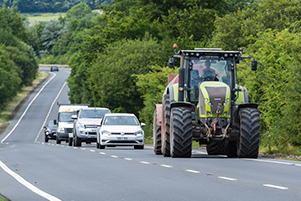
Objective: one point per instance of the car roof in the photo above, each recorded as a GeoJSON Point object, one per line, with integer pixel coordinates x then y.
{"type": "Point", "coordinates": [120, 114]}
{"type": "Point", "coordinates": [95, 108]}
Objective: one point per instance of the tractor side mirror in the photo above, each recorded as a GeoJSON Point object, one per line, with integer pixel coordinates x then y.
{"type": "Point", "coordinates": [171, 62]}
{"type": "Point", "coordinates": [254, 65]}
{"type": "Point", "coordinates": [54, 122]}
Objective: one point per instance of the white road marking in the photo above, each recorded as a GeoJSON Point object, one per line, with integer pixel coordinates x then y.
{"type": "Point", "coordinates": [144, 162]}
{"type": "Point", "coordinates": [83, 148]}
{"type": "Point", "coordinates": [27, 184]}
{"type": "Point", "coordinates": [193, 171]}
{"type": "Point", "coordinates": [50, 110]}
{"type": "Point", "coordinates": [228, 178]}
{"type": "Point", "coordinates": [113, 156]}
{"type": "Point", "coordinates": [128, 159]}
{"type": "Point", "coordinates": [92, 150]}
{"type": "Point", "coordinates": [167, 166]}
{"type": "Point", "coordinates": [103, 153]}
{"type": "Point", "coordinates": [277, 162]}
{"type": "Point", "coordinates": [12, 130]}
{"type": "Point", "coordinates": [274, 186]}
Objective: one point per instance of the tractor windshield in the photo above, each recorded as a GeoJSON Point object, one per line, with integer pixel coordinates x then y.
{"type": "Point", "coordinates": [209, 70]}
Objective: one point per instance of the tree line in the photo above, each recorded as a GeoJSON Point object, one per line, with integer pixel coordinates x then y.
{"type": "Point", "coordinates": [18, 60]}
{"type": "Point", "coordinates": [119, 58]}
{"type": "Point", "coordinates": [28, 6]}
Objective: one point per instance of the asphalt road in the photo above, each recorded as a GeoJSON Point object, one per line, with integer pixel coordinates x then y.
{"type": "Point", "coordinates": [33, 170]}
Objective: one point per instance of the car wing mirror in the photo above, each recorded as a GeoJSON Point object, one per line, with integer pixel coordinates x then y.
{"type": "Point", "coordinates": [74, 117]}
{"type": "Point", "coordinates": [143, 124]}
{"type": "Point", "coordinates": [54, 122]}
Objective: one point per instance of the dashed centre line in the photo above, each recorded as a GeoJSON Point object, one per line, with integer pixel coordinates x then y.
{"type": "Point", "coordinates": [113, 156]}
{"type": "Point", "coordinates": [228, 178]}
{"type": "Point", "coordinates": [167, 166]}
{"type": "Point", "coordinates": [274, 186]}
{"type": "Point", "coordinates": [102, 153]}
{"type": "Point", "coordinates": [144, 162]}
{"type": "Point", "coordinates": [128, 159]}
{"type": "Point", "coordinates": [193, 171]}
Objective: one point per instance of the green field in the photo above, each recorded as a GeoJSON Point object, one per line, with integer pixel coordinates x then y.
{"type": "Point", "coordinates": [34, 18]}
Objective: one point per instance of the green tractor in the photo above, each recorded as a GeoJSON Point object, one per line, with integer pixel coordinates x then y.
{"type": "Point", "coordinates": [205, 103]}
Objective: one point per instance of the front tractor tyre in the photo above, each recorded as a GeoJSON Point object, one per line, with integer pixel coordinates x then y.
{"type": "Point", "coordinates": [157, 144]}
{"type": "Point", "coordinates": [216, 148]}
{"type": "Point", "coordinates": [181, 132]}
{"type": "Point", "coordinates": [248, 144]}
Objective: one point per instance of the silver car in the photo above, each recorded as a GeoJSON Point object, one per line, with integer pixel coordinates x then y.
{"type": "Point", "coordinates": [86, 123]}
{"type": "Point", "coordinates": [120, 129]}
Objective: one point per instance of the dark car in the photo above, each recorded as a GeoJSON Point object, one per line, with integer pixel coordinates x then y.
{"type": "Point", "coordinates": [50, 131]}
{"type": "Point", "coordinates": [54, 68]}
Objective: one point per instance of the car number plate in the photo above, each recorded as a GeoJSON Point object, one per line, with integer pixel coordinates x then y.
{"type": "Point", "coordinates": [94, 130]}
{"type": "Point", "coordinates": [122, 138]}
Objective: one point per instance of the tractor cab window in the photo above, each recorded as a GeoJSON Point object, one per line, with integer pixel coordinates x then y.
{"type": "Point", "coordinates": [208, 70]}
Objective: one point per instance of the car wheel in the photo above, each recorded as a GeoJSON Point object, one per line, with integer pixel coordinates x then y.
{"type": "Point", "coordinates": [70, 141]}
{"type": "Point", "coordinates": [102, 147]}
{"type": "Point", "coordinates": [77, 142]}
{"type": "Point", "coordinates": [58, 141]}
{"type": "Point", "coordinates": [46, 138]}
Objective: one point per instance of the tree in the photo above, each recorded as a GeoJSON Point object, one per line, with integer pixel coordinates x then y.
{"type": "Point", "coordinates": [52, 31]}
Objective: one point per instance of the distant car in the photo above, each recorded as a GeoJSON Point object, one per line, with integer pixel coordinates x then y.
{"type": "Point", "coordinates": [85, 125]}
{"type": "Point", "coordinates": [120, 129]}
{"type": "Point", "coordinates": [54, 68]}
{"type": "Point", "coordinates": [50, 131]}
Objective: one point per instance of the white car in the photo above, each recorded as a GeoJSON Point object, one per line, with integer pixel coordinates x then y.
{"type": "Point", "coordinates": [85, 125]}
{"type": "Point", "coordinates": [120, 129]}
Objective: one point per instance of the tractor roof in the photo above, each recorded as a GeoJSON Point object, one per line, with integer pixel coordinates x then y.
{"type": "Point", "coordinates": [209, 50]}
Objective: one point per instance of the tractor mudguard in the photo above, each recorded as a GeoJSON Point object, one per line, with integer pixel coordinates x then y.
{"type": "Point", "coordinates": [182, 104]}
{"type": "Point", "coordinates": [236, 109]}
{"type": "Point", "coordinates": [158, 108]}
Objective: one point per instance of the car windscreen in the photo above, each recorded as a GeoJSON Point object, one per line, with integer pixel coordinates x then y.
{"type": "Point", "coordinates": [121, 120]}
{"type": "Point", "coordinates": [93, 113]}
{"type": "Point", "coordinates": [65, 117]}
{"type": "Point", "coordinates": [51, 124]}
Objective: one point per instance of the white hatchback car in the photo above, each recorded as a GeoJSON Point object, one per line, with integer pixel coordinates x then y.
{"type": "Point", "coordinates": [120, 129]}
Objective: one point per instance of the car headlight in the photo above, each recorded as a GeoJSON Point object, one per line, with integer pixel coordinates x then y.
{"type": "Point", "coordinates": [139, 133]}
{"type": "Point", "coordinates": [105, 133]}
{"type": "Point", "coordinates": [81, 125]}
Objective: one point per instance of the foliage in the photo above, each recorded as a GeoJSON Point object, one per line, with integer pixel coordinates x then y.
{"type": "Point", "coordinates": [10, 80]}
{"type": "Point", "coordinates": [28, 6]}
{"type": "Point", "coordinates": [18, 61]}
{"type": "Point", "coordinates": [239, 29]}
{"type": "Point", "coordinates": [111, 75]}
{"type": "Point", "coordinates": [152, 86]}
{"type": "Point", "coordinates": [276, 87]}
{"type": "Point", "coordinates": [51, 32]}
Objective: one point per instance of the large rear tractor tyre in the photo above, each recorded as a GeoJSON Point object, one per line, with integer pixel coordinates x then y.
{"type": "Point", "coordinates": [157, 143]}
{"type": "Point", "coordinates": [180, 132]}
{"type": "Point", "coordinates": [248, 144]}
{"type": "Point", "coordinates": [216, 148]}
{"type": "Point", "coordinates": [166, 126]}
